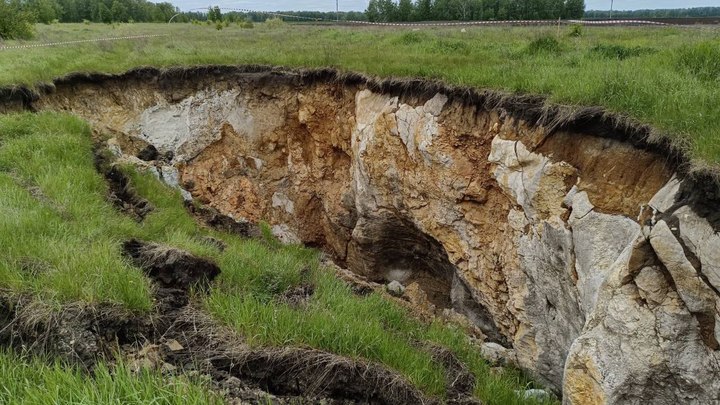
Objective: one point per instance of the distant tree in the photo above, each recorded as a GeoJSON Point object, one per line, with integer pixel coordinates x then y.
{"type": "Point", "coordinates": [555, 9]}
{"type": "Point", "coordinates": [119, 11]}
{"type": "Point", "coordinates": [442, 10]}
{"type": "Point", "coordinates": [388, 10]}
{"type": "Point", "coordinates": [574, 8]}
{"type": "Point", "coordinates": [214, 14]}
{"type": "Point", "coordinates": [423, 10]}
{"type": "Point", "coordinates": [659, 13]}
{"type": "Point", "coordinates": [373, 12]}
{"type": "Point", "coordinates": [463, 9]}
{"type": "Point", "coordinates": [104, 14]}
{"type": "Point", "coordinates": [15, 23]}
{"type": "Point", "coordinates": [405, 10]}
{"type": "Point", "coordinates": [46, 11]}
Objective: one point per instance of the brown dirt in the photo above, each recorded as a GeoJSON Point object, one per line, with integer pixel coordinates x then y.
{"type": "Point", "coordinates": [223, 223]}
{"type": "Point", "coordinates": [616, 185]}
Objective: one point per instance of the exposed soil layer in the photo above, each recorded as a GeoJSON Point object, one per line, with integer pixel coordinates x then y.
{"type": "Point", "coordinates": [170, 267]}
{"type": "Point", "coordinates": [120, 193]}
{"type": "Point", "coordinates": [223, 223]}
{"type": "Point", "coordinates": [530, 108]}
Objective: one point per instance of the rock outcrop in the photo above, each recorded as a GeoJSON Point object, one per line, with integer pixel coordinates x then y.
{"type": "Point", "coordinates": [596, 260]}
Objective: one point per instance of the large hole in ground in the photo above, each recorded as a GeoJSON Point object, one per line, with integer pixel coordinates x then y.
{"type": "Point", "coordinates": [387, 247]}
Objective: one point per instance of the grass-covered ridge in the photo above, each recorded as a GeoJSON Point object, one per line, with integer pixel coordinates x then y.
{"type": "Point", "coordinates": [666, 77]}
{"type": "Point", "coordinates": [59, 238]}
{"type": "Point", "coordinates": [62, 243]}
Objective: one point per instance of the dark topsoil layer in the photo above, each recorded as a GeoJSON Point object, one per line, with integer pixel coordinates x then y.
{"type": "Point", "coordinates": [701, 188]}
{"type": "Point", "coordinates": [535, 110]}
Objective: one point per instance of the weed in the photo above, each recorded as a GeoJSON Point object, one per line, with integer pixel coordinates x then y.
{"type": "Point", "coordinates": [34, 381]}
{"type": "Point", "coordinates": [451, 47]}
{"type": "Point", "coordinates": [621, 52]}
{"type": "Point", "coordinates": [274, 23]}
{"type": "Point", "coordinates": [701, 60]}
{"type": "Point", "coordinates": [575, 31]}
{"type": "Point", "coordinates": [413, 37]}
{"type": "Point", "coordinates": [545, 44]}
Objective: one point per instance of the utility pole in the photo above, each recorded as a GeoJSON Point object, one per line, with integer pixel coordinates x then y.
{"type": "Point", "coordinates": [337, 10]}
{"type": "Point", "coordinates": [611, 7]}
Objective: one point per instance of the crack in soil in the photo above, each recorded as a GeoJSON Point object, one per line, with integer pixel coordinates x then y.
{"type": "Point", "coordinates": [84, 335]}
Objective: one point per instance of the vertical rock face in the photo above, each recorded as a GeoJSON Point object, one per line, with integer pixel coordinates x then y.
{"type": "Point", "coordinates": [585, 255]}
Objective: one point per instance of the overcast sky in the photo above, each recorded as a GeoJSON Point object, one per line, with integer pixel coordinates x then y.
{"type": "Point", "coordinates": [348, 5]}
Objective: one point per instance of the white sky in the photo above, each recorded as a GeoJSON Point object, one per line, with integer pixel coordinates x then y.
{"type": "Point", "coordinates": [360, 5]}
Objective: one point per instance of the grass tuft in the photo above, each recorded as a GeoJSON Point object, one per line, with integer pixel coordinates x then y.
{"type": "Point", "coordinates": [620, 52]}
{"type": "Point", "coordinates": [32, 381]}
{"type": "Point", "coordinates": [545, 44]}
{"type": "Point", "coordinates": [701, 60]}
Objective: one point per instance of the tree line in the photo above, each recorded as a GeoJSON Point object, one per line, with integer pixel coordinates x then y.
{"type": "Point", "coordinates": [473, 10]}
{"type": "Point", "coordinates": [106, 11]}
{"type": "Point", "coordinates": [696, 12]}
{"type": "Point", "coordinates": [233, 16]}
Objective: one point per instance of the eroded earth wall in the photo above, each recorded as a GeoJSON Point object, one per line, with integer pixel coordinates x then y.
{"type": "Point", "coordinates": [596, 260]}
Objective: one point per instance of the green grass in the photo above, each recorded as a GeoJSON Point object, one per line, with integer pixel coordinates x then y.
{"type": "Point", "coordinates": [60, 241]}
{"type": "Point", "coordinates": [361, 327]}
{"type": "Point", "coordinates": [58, 236]}
{"type": "Point", "coordinates": [31, 381]}
{"type": "Point", "coordinates": [667, 77]}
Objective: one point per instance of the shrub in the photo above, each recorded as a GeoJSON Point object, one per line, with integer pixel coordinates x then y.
{"type": "Point", "coordinates": [219, 25]}
{"type": "Point", "coordinates": [413, 37]}
{"type": "Point", "coordinates": [544, 44]}
{"type": "Point", "coordinates": [620, 52]}
{"type": "Point", "coordinates": [247, 24]}
{"type": "Point", "coordinates": [576, 31]}
{"type": "Point", "coordinates": [15, 23]}
{"type": "Point", "coordinates": [274, 22]}
{"type": "Point", "coordinates": [701, 60]}
{"type": "Point", "coordinates": [452, 47]}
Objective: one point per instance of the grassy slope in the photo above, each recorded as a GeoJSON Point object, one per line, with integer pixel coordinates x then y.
{"type": "Point", "coordinates": [673, 83]}
{"type": "Point", "coordinates": [36, 382]}
{"type": "Point", "coordinates": [61, 241]}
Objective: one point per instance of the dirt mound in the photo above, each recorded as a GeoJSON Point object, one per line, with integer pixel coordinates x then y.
{"type": "Point", "coordinates": [171, 267]}
{"type": "Point", "coordinates": [223, 223]}
{"type": "Point", "coordinates": [121, 194]}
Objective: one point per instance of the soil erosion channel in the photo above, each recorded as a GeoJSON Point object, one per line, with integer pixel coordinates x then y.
{"type": "Point", "coordinates": [570, 237]}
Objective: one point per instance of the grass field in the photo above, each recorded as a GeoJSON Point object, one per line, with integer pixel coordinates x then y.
{"type": "Point", "coordinates": [666, 77]}
{"type": "Point", "coordinates": [60, 241]}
